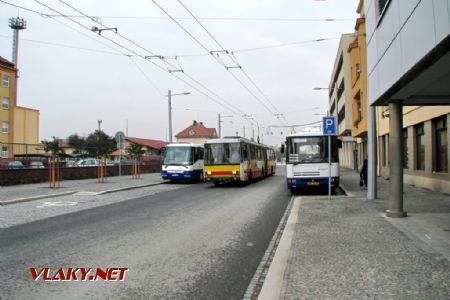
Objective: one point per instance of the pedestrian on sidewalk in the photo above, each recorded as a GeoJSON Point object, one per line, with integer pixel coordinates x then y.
{"type": "Point", "coordinates": [363, 174]}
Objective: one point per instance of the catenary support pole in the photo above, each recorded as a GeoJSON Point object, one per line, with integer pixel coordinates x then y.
{"type": "Point", "coordinates": [219, 125]}
{"type": "Point", "coordinates": [169, 96]}
{"type": "Point", "coordinates": [396, 161]}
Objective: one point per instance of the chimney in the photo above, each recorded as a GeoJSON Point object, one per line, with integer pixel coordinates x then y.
{"type": "Point", "coordinates": [194, 122]}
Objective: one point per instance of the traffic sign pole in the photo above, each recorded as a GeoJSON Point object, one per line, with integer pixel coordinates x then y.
{"type": "Point", "coordinates": [329, 167]}
{"type": "Point", "coordinates": [329, 129]}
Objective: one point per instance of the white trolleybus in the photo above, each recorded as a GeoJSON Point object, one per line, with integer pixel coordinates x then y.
{"type": "Point", "coordinates": [307, 161]}
{"type": "Point", "coordinates": [183, 162]}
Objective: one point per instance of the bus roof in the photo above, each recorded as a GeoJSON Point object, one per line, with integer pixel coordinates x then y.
{"type": "Point", "coordinates": [233, 139]}
{"type": "Point", "coordinates": [307, 133]}
{"type": "Point", "coordinates": [184, 145]}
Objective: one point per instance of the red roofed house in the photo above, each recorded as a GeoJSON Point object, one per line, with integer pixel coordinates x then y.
{"type": "Point", "coordinates": [196, 133]}
{"type": "Point", "coordinates": [150, 146]}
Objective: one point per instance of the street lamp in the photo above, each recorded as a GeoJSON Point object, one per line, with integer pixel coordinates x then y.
{"type": "Point", "coordinates": [169, 96]}
{"type": "Point", "coordinates": [335, 99]}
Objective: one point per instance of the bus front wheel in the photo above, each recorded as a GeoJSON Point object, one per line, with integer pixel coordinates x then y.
{"type": "Point", "coordinates": [216, 183]}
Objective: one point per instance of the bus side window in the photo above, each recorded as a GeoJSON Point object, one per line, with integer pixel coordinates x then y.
{"type": "Point", "coordinates": [244, 152]}
{"type": "Point", "coordinates": [201, 153]}
{"type": "Point", "coordinates": [194, 154]}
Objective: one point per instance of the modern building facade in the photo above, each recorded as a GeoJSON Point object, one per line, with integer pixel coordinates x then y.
{"type": "Point", "coordinates": [408, 62]}
{"type": "Point", "coordinates": [340, 101]}
{"type": "Point", "coordinates": [20, 125]}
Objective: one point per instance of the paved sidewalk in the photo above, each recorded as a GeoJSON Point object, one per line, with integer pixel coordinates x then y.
{"type": "Point", "coordinates": [347, 249]}
{"type": "Point", "coordinates": [29, 192]}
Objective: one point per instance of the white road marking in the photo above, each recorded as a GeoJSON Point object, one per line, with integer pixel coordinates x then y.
{"type": "Point", "coordinates": [60, 203]}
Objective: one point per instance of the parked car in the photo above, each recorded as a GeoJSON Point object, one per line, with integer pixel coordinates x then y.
{"type": "Point", "coordinates": [15, 165]}
{"type": "Point", "coordinates": [72, 163]}
{"type": "Point", "coordinates": [37, 165]}
{"type": "Point", "coordinates": [89, 162]}
{"type": "Point", "coordinates": [3, 165]}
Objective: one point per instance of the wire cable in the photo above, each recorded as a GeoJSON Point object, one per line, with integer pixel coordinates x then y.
{"type": "Point", "coordinates": [141, 56]}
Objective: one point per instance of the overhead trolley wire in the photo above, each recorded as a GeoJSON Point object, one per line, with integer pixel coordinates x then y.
{"type": "Point", "coordinates": [157, 65]}
{"type": "Point", "coordinates": [212, 54]}
{"type": "Point", "coordinates": [233, 58]}
{"type": "Point", "coordinates": [163, 59]}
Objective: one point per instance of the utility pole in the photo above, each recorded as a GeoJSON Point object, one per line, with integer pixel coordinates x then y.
{"type": "Point", "coordinates": [169, 96]}
{"type": "Point", "coordinates": [243, 131]}
{"type": "Point", "coordinates": [220, 127]}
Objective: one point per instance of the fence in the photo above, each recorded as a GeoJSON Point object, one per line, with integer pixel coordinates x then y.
{"type": "Point", "coordinates": [22, 176]}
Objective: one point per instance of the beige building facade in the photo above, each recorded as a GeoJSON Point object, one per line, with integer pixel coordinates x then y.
{"type": "Point", "coordinates": [340, 101]}
{"type": "Point", "coordinates": [425, 143]}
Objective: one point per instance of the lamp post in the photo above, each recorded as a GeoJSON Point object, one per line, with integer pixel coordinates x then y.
{"type": "Point", "coordinates": [220, 123]}
{"type": "Point", "coordinates": [169, 97]}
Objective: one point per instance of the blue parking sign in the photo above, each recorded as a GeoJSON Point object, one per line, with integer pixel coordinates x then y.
{"type": "Point", "coordinates": [329, 125]}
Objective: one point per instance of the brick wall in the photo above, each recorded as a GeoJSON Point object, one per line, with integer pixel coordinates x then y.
{"type": "Point", "coordinates": [22, 176]}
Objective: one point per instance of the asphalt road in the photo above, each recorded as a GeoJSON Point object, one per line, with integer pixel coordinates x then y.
{"type": "Point", "coordinates": [198, 242]}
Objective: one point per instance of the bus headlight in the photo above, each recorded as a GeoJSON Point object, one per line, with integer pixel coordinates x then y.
{"type": "Point", "coordinates": [234, 172]}
{"type": "Point", "coordinates": [209, 172]}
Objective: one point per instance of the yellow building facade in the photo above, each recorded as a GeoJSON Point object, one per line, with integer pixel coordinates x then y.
{"type": "Point", "coordinates": [19, 125]}
{"type": "Point", "coordinates": [358, 61]}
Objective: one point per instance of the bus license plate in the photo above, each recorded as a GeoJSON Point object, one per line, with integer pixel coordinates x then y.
{"type": "Point", "coordinates": [314, 183]}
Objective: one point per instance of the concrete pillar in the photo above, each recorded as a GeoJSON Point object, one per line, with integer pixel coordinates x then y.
{"type": "Point", "coordinates": [396, 161]}
{"type": "Point", "coordinates": [372, 154]}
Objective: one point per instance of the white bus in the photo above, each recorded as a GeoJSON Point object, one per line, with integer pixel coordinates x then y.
{"type": "Point", "coordinates": [307, 161]}
{"type": "Point", "coordinates": [183, 162]}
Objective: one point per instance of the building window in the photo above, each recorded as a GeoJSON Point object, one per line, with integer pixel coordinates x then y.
{"type": "Point", "coordinates": [420, 147]}
{"type": "Point", "coordinates": [341, 115]}
{"type": "Point", "coordinates": [340, 90]}
{"type": "Point", "coordinates": [359, 107]}
{"type": "Point", "coordinates": [4, 152]}
{"type": "Point", "coordinates": [405, 148]}
{"type": "Point", "coordinates": [384, 150]}
{"type": "Point", "coordinates": [440, 131]}
{"type": "Point", "coordinates": [332, 107]}
{"type": "Point", "coordinates": [5, 80]}
{"type": "Point", "coordinates": [5, 103]}
{"type": "Point", "coordinates": [5, 127]}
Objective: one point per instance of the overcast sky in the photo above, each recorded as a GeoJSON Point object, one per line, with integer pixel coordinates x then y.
{"type": "Point", "coordinates": [73, 87]}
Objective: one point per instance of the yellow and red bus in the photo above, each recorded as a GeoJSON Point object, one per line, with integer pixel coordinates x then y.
{"type": "Point", "coordinates": [237, 159]}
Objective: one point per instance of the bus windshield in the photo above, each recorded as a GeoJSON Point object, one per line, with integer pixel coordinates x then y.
{"type": "Point", "coordinates": [229, 153]}
{"type": "Point", "coordinates": [312, 149]}
{"type": "Point", "coordinates": [178, 156]}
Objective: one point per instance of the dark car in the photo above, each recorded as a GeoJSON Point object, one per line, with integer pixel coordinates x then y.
{"type": "Point", "coordinates": [15, 165]}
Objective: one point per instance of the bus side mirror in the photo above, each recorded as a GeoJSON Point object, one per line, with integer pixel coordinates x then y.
{"type": "Point", "coordinates": [282, 148]}
{"type": "Point", "coordinates": [339, 144]}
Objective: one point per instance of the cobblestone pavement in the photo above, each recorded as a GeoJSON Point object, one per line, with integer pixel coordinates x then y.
{"type": "Point", "coordinates": [347, 249]}
{"type": "Point", "coordinates": [90, 185]}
